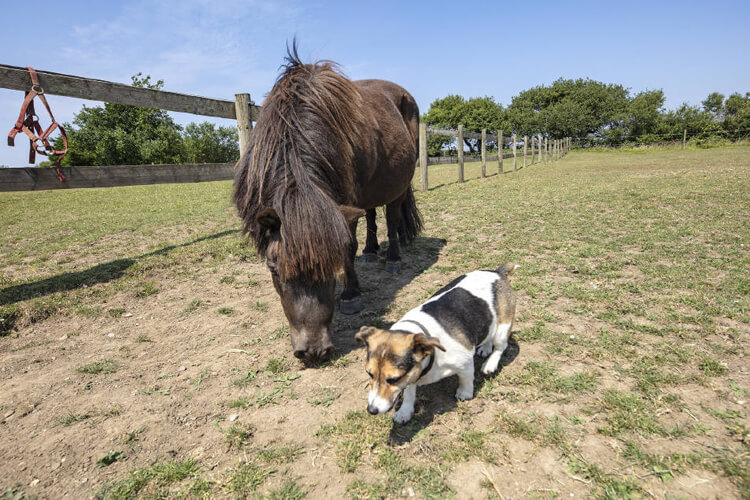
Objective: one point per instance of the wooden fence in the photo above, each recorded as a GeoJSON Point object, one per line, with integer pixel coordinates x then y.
{"type": "Point", "coordinates": [26, 179]}
{"type": "Point", "coordinates": [541, 149]}
{"type": "Point", "coordinates": [241, 109]}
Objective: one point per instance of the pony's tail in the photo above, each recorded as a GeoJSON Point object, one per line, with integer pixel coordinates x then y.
{"type": "Point", "coordinates": [411, 219]}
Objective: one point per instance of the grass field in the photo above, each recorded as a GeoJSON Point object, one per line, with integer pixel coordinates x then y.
{"type": "Point", "coordinates": [144, 353]}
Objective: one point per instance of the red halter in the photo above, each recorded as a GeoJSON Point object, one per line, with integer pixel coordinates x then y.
{"type": "Point", "coordinates": [28, 123]}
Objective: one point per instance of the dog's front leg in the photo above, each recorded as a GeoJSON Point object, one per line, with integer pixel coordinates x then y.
{"type": "Point", "coordinates": [465, 384]}
{"type": "Point", "coordinates": [406, 411]}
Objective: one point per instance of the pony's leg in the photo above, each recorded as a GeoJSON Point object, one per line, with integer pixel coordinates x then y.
{"type": "Point", "coordinates": [402, 238]}
{"type": "Point", "coordinates": [393, 220]}
{"type": "Point", "coordinates": [370, 252]}
{"type": "Point", "coordinates": [351, 297]}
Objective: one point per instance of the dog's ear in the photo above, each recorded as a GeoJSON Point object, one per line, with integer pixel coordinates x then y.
{"type": "Point", "coordinates": [363, 333]}
{"type": "Point", "coordinates": [424, 343]}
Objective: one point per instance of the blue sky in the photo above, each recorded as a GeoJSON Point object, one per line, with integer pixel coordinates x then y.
{"type": "Point", "coordinates": [217, 48]}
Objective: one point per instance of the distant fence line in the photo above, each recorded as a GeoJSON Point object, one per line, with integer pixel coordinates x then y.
{"type": "Point", "coordinates": [547, 150]}
{"type": "Point", "coordinates": [241, 109]}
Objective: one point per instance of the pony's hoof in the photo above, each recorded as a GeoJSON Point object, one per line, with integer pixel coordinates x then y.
{"type": "Point", "coordinates": [351, 306]}
{"type": "Point", "coordinates": [369, 257]}
{"type": "Point", "coordinates": [392, 267]}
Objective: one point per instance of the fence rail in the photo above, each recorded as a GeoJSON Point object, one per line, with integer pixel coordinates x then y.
{"type": "Point", "coordinates": [34, 179]}
{"type": "Point", "coordinates": [241, 109]}
{"type": "Point", "coordinates": [17, 78]}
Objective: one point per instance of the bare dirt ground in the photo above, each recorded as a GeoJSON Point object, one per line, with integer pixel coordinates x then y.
{"type": "Point", "coordinates": [171, 375]}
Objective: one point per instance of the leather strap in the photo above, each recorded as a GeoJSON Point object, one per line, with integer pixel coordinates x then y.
{"type": "Point", "coordinates": [28, 123]}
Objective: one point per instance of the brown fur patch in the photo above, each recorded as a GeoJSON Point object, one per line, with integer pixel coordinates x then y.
{"type": "Point", "coordinates": [505, 300]}
{"type": "Point", "coordinates": [392, 356]}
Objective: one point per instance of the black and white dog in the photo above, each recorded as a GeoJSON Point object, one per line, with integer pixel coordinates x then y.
{"type": "Point", "coordinates": [473, 313]}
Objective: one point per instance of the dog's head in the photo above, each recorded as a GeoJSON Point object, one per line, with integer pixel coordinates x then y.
{"type": "Point", "coordinates": [394, 360]}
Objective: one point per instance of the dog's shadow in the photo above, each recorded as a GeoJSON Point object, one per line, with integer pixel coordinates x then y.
{"type": "Point", "coordinates": [440, 397]}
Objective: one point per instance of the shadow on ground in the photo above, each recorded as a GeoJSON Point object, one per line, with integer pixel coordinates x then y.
{"type": "Point", "coordinates": [101, 273]}
{"type": "Point", "coordinates": [379, 289]}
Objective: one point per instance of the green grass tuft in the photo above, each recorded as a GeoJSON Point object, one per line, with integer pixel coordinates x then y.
{"type": "Point", "coordinates": [98, 367]}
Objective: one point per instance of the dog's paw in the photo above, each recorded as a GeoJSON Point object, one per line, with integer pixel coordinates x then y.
{"type": "Point", "coordinates": [490, 366]}
{"type": "Point", "coordinates": [484, 350]}
{"type": "Point", "coordinates": [464, 395]}
{"type": "Point", "coordinates": [402, 417]}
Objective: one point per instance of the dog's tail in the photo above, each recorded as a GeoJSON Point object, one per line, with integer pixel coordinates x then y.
{"type": "Point", "coordinates": [507, 269]}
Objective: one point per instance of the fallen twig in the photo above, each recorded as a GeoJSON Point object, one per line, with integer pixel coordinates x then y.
{"type": "Point", "coordinates": [492, 482]}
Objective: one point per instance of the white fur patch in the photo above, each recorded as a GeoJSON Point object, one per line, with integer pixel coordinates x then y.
{"type": "Point", "coordinates": [377, 402]}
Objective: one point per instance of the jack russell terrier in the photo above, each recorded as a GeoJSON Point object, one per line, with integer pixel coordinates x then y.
{"type": "Point", "coordinates": [473, 313]}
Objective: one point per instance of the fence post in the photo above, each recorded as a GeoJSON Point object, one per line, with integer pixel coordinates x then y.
{"type": "Point", "coordinates": [460, 153]}
{"type": "Point", "coordinates": [423, 154]}
{"type": "Point", "coordinates": [515, 155]}
{"type": "Point", "coordinates": [484, 153]}
{"type": "Point", "coordinates": [525, 147]}
{"type": "Point", "coordinates": [684, 138]}
{"type": "Point", "coordinates": [532, 149]}
{"type": "Point", "coordinates": [244, 119]}
{"type": "Point", "coordinates": [499, 151]}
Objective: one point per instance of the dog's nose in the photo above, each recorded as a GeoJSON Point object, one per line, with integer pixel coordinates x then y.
{"type": "Point", "coordinates": [372, 410]}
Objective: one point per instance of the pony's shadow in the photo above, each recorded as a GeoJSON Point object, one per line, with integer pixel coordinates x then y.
{"type": "Point", "coordinates": [439, 398]}
{"type": "Point", "coordinates": [100, 273]}
{"type": "Point", "coordinates": [379, 289]}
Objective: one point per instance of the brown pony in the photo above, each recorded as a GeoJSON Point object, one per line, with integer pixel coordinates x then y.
{"type": "Point", "coordinates": [326, 151]}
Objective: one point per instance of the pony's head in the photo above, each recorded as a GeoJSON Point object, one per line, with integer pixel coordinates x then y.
{"type": "Point", "coordinates": [307, 298]}
{"type": "Point", "coordinates": [293, 188]}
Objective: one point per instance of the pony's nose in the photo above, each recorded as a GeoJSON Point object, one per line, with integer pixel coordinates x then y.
{"type": "Point", "coordinates": [372, 410]}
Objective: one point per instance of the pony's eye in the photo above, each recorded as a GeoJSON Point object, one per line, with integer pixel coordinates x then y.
{"type": "Point", "coordinates": [370, 374]}
{"type": "Point", "coordinates": [393, 380]}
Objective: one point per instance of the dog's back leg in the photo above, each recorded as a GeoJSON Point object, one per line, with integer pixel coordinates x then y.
{"type": "Point", "coordinates": [500, 342]}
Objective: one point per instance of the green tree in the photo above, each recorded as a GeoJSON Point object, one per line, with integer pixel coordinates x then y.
{"type": "Point", "coordinates": [575, 108]}
{"type": "Point", "coordinates": [695, 120]}
{"type": "Point", "coordinates": [644, 113]}
{"type": "Point", "coordinates": [474, 114]}
{"type": "Point", "coordinates": [443, 113]}
{"type": "Point", "coordinates": [206, 143]}
{"type": "Point", "coordinates": [713, 103]}
{"type": "Point", "coordinates": [117, 134]}
{"type": "Point", "coordinates": [737, 116]}
{"type": "Point", "coordinates": [481, 113]}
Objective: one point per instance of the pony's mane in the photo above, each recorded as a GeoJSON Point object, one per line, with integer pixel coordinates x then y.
{"type": "Point", "coordinates": [299, 163]}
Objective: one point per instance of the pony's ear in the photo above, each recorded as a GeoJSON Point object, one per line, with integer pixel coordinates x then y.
{"type": "Point", "coordinates": [424, 343]}
{"type": "Point", "coordinates": [351, 213]}
{"type": "Point", "coordinates": [363, 333]}
{"type": "Point", "coordinates": [268, 218]}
